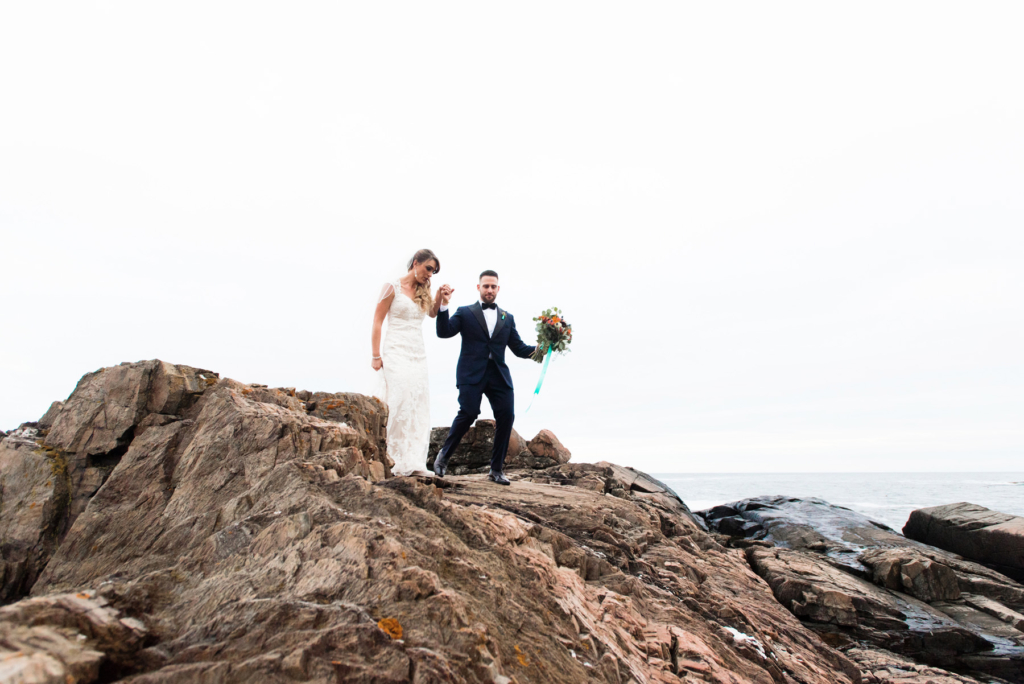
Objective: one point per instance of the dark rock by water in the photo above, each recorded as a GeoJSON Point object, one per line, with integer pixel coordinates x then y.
{"type": "Point", "coordinates": [859, 581]}
{"type": "Point", "coordinates": [989, 537]}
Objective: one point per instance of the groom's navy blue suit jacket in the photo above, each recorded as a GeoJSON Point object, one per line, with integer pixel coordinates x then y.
{"type": "Point", "coordinates": [478, 346]}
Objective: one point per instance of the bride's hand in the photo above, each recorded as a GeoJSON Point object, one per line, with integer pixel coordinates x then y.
{"type": "Point", "coordinates": [444, 293]}
{"type": "Point", "coordinates": [377, 364]}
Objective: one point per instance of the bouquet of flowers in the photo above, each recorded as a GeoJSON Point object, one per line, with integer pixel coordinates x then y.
{"type": "Point", "coordinates": [553, 334]}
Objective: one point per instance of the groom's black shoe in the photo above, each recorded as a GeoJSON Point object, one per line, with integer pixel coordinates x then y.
{"type": "Point", "coordinates": [495, 476]}
{"type": "Point", "coordinates": [440, 466]}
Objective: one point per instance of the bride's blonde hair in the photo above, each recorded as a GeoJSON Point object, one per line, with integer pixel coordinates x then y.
{"type": "Point", "coordinates": [422, 294]}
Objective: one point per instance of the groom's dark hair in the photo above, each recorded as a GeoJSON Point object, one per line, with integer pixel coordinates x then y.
{"type": "Point", "coordinates": [487, 273]}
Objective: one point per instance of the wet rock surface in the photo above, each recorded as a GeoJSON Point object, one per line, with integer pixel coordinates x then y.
{"type": "Point", "coordinates": [252, 535]}
{"type": "Point", "coordinates": [857, 581]}
{"type": "Point", "coordinates": [989, 537]}
{"type": "Point", "coordinates": [818, 591]}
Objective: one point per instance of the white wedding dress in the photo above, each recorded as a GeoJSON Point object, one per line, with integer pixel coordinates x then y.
{"type": "Point", "coordinates": [403, 384]}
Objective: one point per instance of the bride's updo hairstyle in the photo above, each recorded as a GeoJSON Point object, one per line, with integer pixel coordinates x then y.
{"type": "Point", "coordinates": [422, 295]}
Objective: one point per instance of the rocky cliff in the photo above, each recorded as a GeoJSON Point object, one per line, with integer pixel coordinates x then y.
{"type": "Point", "coordinates": [167, 525]}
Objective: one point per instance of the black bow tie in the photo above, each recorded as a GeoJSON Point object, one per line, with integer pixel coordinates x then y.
{"type": "Point", "coordinates": [492, 305]}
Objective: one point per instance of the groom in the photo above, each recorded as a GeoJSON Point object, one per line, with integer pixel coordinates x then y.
{"type": "Point", "coordinates": [486, 331]}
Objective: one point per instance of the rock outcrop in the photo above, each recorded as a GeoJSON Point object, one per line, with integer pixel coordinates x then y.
{"type": "Point", "coordinates": [858, 582]}
{"type": "Point", "coordinates": [243, 534]}
{"type": "Point", "coordinates": [35, 499]}
{"type": "Point", "coordinates": [912, 573]}
{"type": "Point", "coordinates": [473, 454]}
{"type": "Point", "coordinates": [153, 417]}
{"type": "Point", "coordinates": [50, 470]}
{"type": "Point", "coordinates": [546, 446]}
{"type": "Point", "coordinates": [66, 638]}
{"type": "Point", "coordinates": [885, 667]}
{"type": "Point", "coordinates": [989, 537]}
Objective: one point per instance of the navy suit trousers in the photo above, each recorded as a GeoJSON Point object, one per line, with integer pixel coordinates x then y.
{"type": "Point", "coordinates": [502, 401]}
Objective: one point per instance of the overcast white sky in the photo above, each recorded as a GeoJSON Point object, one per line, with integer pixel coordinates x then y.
{"type": "Point", "coordinates": [789, 237]}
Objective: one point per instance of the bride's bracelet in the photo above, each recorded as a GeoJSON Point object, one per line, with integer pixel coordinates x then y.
{"type": "Point", "coordinates": [375, 358]}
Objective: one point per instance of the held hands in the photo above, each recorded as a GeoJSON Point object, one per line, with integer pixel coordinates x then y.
{"type": "Point", "coordinates": [444, 294]}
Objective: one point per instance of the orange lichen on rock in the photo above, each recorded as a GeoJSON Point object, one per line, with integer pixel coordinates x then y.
{"type": "Point", "coordinates": [391, 627]}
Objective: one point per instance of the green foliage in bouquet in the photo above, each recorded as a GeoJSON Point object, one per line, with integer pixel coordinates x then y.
{"type": "Point", "coordinates": [552, 333]}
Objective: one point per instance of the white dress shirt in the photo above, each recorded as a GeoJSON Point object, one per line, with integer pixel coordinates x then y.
{"type": "Point", "coordinates": [491, 316]}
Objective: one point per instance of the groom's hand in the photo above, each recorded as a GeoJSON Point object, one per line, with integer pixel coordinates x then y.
{"type": "Point", "coordinates": [446, 294]}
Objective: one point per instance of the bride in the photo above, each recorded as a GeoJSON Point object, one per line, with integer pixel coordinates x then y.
{"type": "Point", "coordinates": [406, 301]}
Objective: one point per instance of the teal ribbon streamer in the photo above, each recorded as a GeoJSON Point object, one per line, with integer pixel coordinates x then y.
{"type": "Point", "coordinates": [543, 372]}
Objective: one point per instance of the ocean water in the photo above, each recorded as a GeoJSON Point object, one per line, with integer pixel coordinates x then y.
{"type": "Point", "coordinates": [885, 497]}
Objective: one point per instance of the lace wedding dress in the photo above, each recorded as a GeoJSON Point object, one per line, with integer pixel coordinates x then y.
{"type": "Point", "coordinates": [403, 384]}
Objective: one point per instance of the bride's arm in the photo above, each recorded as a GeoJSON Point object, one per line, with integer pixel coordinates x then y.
{"type": "Point", "coordinates": [436, 306]}
{"type": "Point", "coordinates": [383, 306]}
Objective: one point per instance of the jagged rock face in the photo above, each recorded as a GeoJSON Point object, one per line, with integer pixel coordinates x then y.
{"type": "Point", "coordinates": [34, 498]}
{"type": "Point", "coordinates": [366, 415]}
{"type": "Point", "coordinates": [46, 422]}
{"type": "Point", "coordinates": [100, 415]}
{"type": "Point", "coordinates": [854, 578]}
{"type": "Point", "coordinates": [474, 452]}
{"type": "Point", "coordinates": [196, 477]}
{"type": "Point", "coordinates": [149, 413]}
{"type": "Point", "coordinates": [989, 537]}
{"type": "Point", "coordinates": [246, 538]}
{"type": "Point", "coordinates": [51, 474]}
